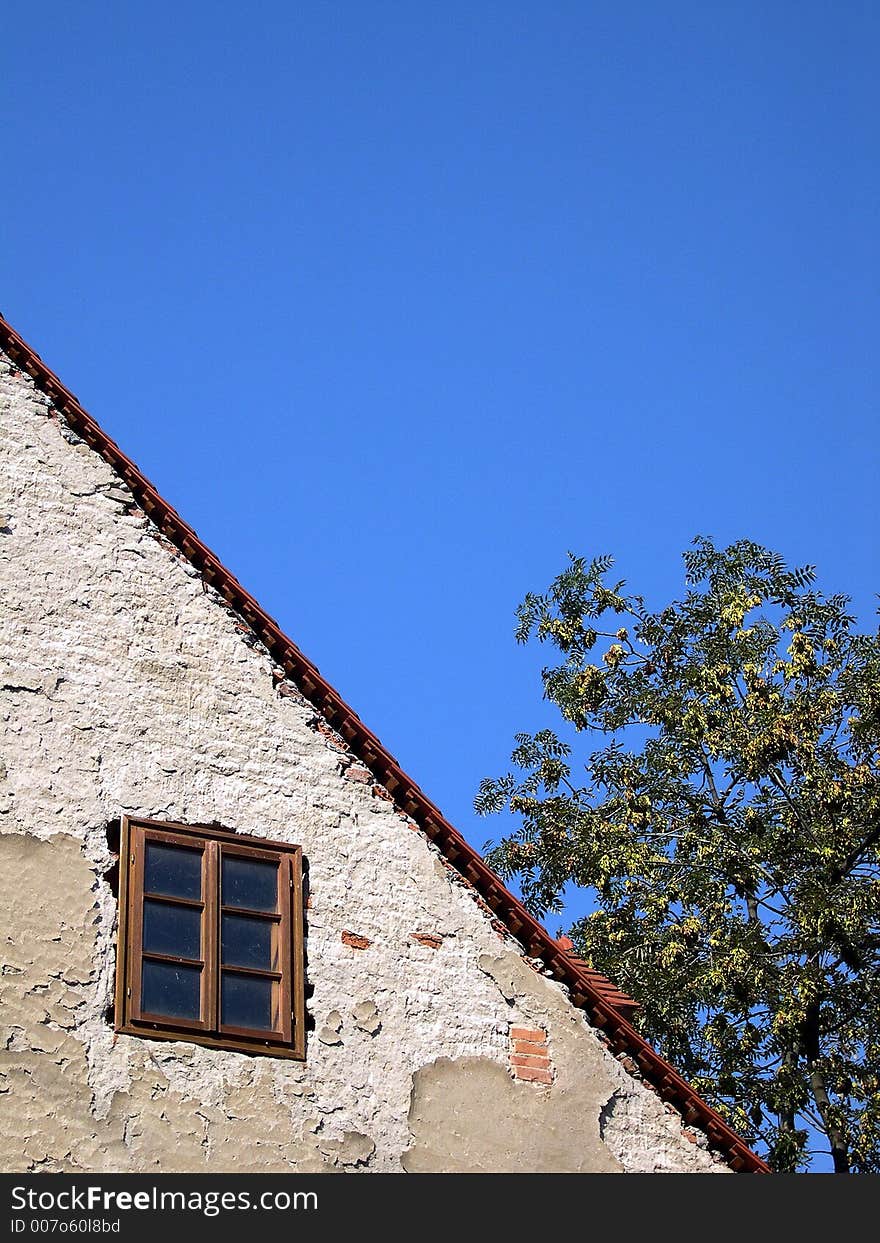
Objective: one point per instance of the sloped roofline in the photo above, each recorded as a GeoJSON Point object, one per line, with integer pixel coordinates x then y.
{"type": "Point", "coordinates": [606, 1006]}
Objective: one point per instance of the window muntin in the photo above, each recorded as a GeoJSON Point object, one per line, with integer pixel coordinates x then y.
{"type": "Point", "coordinates": [211, 938]}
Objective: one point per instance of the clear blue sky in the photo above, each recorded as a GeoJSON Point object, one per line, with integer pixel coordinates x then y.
{"type": "Point", "coordinates": [397, 302]}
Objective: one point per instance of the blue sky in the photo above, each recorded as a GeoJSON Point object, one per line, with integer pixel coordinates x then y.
{"type": "Point", "coordinates": [399, 302]}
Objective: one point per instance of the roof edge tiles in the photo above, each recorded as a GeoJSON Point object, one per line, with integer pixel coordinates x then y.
{"type": "Point", "coordinates": [607, 1007]}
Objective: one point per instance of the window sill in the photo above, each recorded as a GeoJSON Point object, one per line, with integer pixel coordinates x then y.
{"type": "Point", "coordinates": [264, 1048]}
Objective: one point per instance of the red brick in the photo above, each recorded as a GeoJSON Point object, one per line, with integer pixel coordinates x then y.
{"type": "Point", "coordinates": [531, 1074]}
{"type": "Point", "coordinates": [330, 734]}
{"type": "Point", "coordinates": [527, 1033]}
{"type": "Point", "coordinates": [529, 1046]}
{"type": "Point", "coordinates": [431, 940]}
{"type": "Point", "coordinates": [530, 1059]}
{"type": "Point", "coordinates": [356, 941]}
{"type": "Point", "coordinates": [363, 775]}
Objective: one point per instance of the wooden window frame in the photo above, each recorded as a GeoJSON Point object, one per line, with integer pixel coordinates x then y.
{"type": "Point", "coordinates": [288, 964]}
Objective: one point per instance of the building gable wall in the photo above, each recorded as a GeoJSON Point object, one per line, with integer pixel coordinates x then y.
{"type": "Point", "coordinates": [127, 686]}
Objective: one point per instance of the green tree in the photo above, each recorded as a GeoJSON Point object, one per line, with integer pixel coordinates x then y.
{"type": "Point", "coordinates": [728, 826]}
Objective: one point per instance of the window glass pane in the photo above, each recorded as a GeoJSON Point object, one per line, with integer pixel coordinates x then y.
{"type": "Point", "coordinates": [171, 929]}
{"type": "Point", "coordinates": [246, 1001]}
{"type": "Point", "coordinates": [173, 870]}
{"type": "Point", "coordinates": [247, 942]}
{"type": "Point", "coordinates": [170, 990]}
{"type": "Point", "coordinates": [250, 883]}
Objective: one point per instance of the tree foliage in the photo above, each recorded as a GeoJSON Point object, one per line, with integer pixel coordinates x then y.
{"type": "Point", "coordinates": [728, 824]}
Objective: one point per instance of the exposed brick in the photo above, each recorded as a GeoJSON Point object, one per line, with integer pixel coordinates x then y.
{"type": "Point", "coordinates": [431, 940]}
{"type": "Point", "coordinates": [321, 727]}
{"type": "Point", "coordinates": [529, 1059]}
{"type": "Point", "coordinates": [527, 1033]}
{"type": "Point", "coordinates": [381, 792]}
{"type": "Point", "coordinates": [356, 941]}
{"type": "Point", "coordinates": [361, 775]}
{"type": "Point", "coordinates": [529, 1046]}
{"type": "Point", "coordinates": [532, 1074]}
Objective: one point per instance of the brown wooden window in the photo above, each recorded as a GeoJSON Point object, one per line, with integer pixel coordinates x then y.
{"type": "Point", "coordinates": [210, 938]}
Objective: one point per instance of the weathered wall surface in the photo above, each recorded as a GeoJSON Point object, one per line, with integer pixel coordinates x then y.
{"type": "Point", "coordinates": [126, 686]}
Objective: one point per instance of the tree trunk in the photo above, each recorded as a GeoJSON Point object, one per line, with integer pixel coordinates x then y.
{"type": "Point", "coordinates": [786, 1117]}
{"type": "Point", "coordinates": [836, 1137]}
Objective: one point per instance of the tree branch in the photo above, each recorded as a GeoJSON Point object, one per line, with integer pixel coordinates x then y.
{"type": "Point", "coordinates": [838, 873]}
